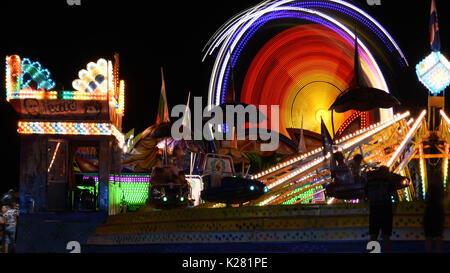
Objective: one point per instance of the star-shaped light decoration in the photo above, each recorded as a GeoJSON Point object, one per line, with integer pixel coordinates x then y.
{"type": "Point", "coordinates": [434, 72]}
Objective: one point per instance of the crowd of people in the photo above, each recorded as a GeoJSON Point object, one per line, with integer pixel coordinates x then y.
{"type": "Point", "coordinates": [8, 221]}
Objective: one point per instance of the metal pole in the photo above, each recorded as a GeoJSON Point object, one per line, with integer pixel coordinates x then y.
{"type": "Point", "coordinates": [332, 124]}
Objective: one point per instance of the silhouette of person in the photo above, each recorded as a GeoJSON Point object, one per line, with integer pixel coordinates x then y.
{"type": "Point", "coordinates": [355, 167]}
{"type": "Point", "coordinates": [433, 220]}
{"type": "Point", "coordinates": [379, 191]}
{"type": "Point", "coordinates": [340, 159]}
{"type": "Point", "coordinates": [339, 170]}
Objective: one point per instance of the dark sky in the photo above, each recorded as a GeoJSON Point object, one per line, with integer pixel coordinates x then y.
{"type": "Point", "coordinates": [171, 34]}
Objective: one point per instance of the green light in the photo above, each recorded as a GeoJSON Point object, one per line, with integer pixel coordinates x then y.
{"type": "Point", "coordinates": [164, 199]}
{"type": "Point", "coordinates": [303, 195]}
{"type": "Point", "coordinates": [135, 193]}
{"type": "Point", "coordinates": [181, 198]}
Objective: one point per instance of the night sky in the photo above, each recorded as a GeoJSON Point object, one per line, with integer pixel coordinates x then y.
{"type": "Point", "coordinates": [171, 35]}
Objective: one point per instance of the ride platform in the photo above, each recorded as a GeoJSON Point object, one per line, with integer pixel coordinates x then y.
{"type": "Point", "coordinates": [270, 229]}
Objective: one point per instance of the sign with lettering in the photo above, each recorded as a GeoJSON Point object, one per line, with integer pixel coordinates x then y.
{"type": "Point", "coordinates": [31, 108]}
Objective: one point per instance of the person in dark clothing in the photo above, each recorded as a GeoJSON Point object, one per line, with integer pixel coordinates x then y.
{"type": "Point", "coordinates": [355, 167]}
{"type": "Point", "coordinates": [339, 159]}
{"type": "Point", "coordinates": [379, 191]}
{"type": "Point", "coordinates": [339, 170]}
{"type": "Point", "coordinates": [434, 215]}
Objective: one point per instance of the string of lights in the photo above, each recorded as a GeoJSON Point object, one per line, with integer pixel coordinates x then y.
{"type": "Point", "coordinates": [70, 128]}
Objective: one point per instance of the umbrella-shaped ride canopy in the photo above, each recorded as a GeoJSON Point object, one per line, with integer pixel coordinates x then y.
{"type": "Point", "coordinates": [362, 98]}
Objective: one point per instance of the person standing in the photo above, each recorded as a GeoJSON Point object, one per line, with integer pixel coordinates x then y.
{"type": "Point", "coordinates": [434, 216]}
{"type": "Point", "coordinates": [379, 191]}
{"type": "Point", "coordinates": [10, 220]}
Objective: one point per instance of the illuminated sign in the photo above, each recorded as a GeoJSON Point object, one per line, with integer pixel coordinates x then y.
{"type": "Point", "coordinates": [34, 76]}
{"type": "Point", "coordinates": [93, 79]}
{"type": "Point", "coordinates": [434, 72]}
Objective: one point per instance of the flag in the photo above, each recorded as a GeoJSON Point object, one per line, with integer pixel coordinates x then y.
{"type": "Point", "coordinates": [212, 147]}
{"type": "Point", "coordinates": [130, 134]}
{"type": "Point", "coordinates": [165, 158]}
{"type": "Point", "coordinates": [301, 143]}
{"type": "Point", "coordinates": [129, 140]}
{"type": "Point", "coordinates": [163, 109]}
{"type": "Point", "coordinates": [327, 141]}
{"type": "Point", "coordinates": [435, 40]}
{"type": "Point", "coordinates": [187, 114]}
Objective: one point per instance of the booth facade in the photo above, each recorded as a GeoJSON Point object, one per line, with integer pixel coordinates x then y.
{"type": "Point", "coordinates": [54, 127]}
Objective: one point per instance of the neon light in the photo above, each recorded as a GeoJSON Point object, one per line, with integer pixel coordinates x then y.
{"type": "Point", "coordinates": [446, 166]}
{"type": "Point", "coordinates": [298, 171]}
{"type": "Point", "coordinates": [407, 138]}
{"type": "Point", "coordinates": [13, 75]}
{"type": "Point", "coordinates": [92, 79]}
{"type": "Point", "coordinates": [20, 74]}
{"type": "Point", "coordinates": [309, 195]}
{"type": "Point", "coordinates": [293, 187]}
{"type": "Point", "coordinates": [54, 156]}
{"type": "Point", "coordinates": [110, 84]}
{"type": "Point", "coordinates": [346, 142]}
{"type": "Point", "coordinates": [375, 128]}
{"type": "Point", "coordinates": [434, 72]}
{"type": "Point", "coordinates": [370, 132]}
{"type": "Point", "coordinates": [33, 94]}
{"type": "Point", "coordinates": [245, 28]}
{"type": "Point", "coordinates": [134, 187]}
{"type": "Point", "coordinates": [347, 122]}
{"type": "Point", "coordinates": [71, 95]}
{"type": "Point", "coordinates": [447, 120]}
{"type": "Point", "coordinates": [126, 178]}
{"type": "Point", "coordinates": [233, 32]}
{"type": "Point", "coordinates": [287, 163]}
{"type": "Point", "coordinates": [33, 72]}
{"type": "Point", "coordinates": [422, 170]}
{"type": "Point", "coordinates": [352, 11]}
{"type": "Point", "coordinates": [70, 128]}
{"type": "Point", "coordinates": [268, 200]}
{"type": "Point", "coordinates": [364, 120]}
{"type": "Point", "coordinates": [302, 193]}
{"type": "Point", "coordinates": [119, 136]}
{"type": "Point", "coordinates": [121, 109]}
{"type": "Point", "coordinates": [447, 148]}
{"type": "Point", "coordinates": [92, 83]}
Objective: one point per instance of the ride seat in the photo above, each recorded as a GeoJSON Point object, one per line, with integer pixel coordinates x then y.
{"type": "Point", "coordinates": [215, 168]}
{"type": "Point", "coordinates": [342, 175]}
